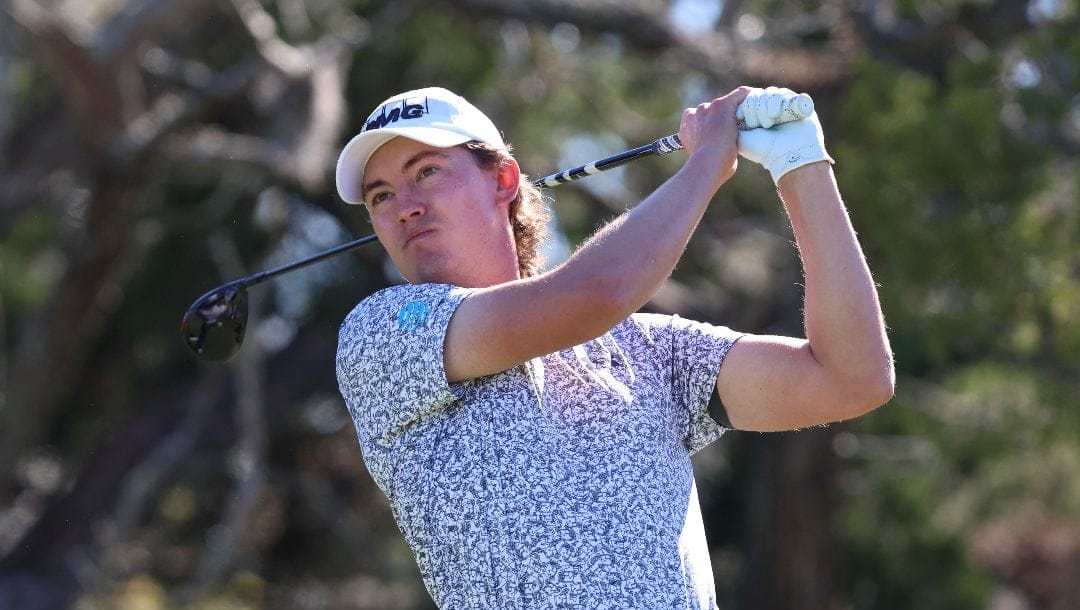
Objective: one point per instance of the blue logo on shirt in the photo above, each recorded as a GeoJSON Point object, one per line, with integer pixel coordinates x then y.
{"type": "Point", "coordinates": [412, 317]}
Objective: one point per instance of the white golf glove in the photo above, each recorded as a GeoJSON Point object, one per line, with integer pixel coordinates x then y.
{"type": "Point", "coordinates": [782, 147]}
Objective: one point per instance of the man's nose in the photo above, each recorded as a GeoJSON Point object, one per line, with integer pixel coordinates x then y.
{"type": "Point", "coordinates": [411, 205]}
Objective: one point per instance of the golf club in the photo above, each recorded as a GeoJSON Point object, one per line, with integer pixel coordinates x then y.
{"type": "Point", "coordinates": [213, 327]}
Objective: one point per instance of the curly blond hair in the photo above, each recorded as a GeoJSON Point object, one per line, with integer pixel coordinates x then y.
{"type": "Point", "coordinates": [528, 214]}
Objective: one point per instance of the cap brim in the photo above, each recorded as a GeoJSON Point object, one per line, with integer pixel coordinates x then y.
{"type": "Point", "coordinates": [355, 155]}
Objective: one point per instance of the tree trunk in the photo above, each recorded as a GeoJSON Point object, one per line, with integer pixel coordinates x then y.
{"type": "Point", "coordinates": [791, 544]}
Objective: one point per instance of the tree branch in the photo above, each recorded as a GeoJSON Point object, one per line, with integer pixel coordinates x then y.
{"type": "Point", "coordinates": [89, 91]}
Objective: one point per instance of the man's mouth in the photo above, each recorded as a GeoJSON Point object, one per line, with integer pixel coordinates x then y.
{"type": "Point", "coordinates": [417, 234]}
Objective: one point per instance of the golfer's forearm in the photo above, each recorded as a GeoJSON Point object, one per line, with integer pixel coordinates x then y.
{"type": "Point", "coordinates": [843, 319]}
{"type": "Point", "coordinates": [626, 262]}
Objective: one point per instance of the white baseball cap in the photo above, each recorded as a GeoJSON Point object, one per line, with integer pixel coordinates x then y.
{"type": "Point", "coordinates": [434, 116]}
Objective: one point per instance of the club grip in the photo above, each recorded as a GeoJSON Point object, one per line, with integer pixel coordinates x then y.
{"type": "Point", "coordinates": [794, 108]}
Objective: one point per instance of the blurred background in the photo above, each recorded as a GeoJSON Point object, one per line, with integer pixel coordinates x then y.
{"type": "Point", "coordinates": [152, 150]}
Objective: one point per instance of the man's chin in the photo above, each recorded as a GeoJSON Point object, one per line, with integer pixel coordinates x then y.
{"type": "Point", "coordinates": [429, 274]}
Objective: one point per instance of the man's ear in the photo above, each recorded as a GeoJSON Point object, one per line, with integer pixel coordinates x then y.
{"type": "Point", "coordinates": [507, 181]}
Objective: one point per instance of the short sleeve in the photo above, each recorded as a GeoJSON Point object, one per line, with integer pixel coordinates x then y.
{"type": "Point", "coordinates": [390, 366]}
{"type": "Point", "coordinates": [697, 351]}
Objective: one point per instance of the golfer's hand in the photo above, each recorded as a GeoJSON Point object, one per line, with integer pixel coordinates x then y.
{"type": "Point", "coordinates": [708, 134]}
{"type": "Point", "coordinates": [779, 148]}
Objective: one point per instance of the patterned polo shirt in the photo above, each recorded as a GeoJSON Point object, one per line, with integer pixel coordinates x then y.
{"type": "Point", "coordinates": [564, 482]}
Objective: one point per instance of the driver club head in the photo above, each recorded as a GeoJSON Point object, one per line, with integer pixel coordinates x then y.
{"type": "Point", "coordinates": [213, 327]}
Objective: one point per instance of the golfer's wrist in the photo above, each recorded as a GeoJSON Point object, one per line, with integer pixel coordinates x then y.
{"type": "Point", "coordinates": [793, 160]}
{"type": "Point", "coordinates": [711, 171]}
{"type": "Point", "coordinates": [806, 178]}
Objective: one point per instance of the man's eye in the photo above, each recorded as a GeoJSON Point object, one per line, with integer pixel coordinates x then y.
{"type": "Point", "coordinates": [426, 171]}
{"type": "Point", "coordinates": [379, 197]}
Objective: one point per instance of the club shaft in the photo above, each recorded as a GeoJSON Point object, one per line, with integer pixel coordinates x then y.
{"type": "Point", "coordinates": [662, 146]}
{"type": "Point", "coordinates": [792, 109]}
{"type": "Point", "coordinates": [262, 276]}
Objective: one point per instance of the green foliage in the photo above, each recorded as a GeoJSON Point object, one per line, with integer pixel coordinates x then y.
{"type": "Point", "coordinates": [936, 183]}
{"type": "Point", "coordinates": [30, 262]}
{"type": "Point", "coordinates": [464, 59]}
{"type": "Point", "coordinates": [942, 460]}
{"type": "Point", "coordinates": [962, 185]}
{"type": "Point", "coordinates": [898, 562]}
{"type": "Point", "coordinates": [967, 211]}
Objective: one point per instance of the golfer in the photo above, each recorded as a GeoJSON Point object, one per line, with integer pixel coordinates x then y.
{"type": "Point", "coordinates": [531, 431]}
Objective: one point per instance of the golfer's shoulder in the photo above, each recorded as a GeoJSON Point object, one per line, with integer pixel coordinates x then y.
{"type": "Point", "coordinates": [669, 331]}
{"type": "Point", "coordinates": [648, 327]}
{"type": "Point", "coordinates": [403, 305]}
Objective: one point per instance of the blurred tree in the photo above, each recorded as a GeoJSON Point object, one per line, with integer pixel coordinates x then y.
{"type": "Point", "coordinates": [139, 135]}
{"type": "Point", "coordinates": [961, 168]}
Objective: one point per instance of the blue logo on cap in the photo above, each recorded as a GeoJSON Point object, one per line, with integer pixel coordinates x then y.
{"type": "Point", "coordinates": [412, 317]}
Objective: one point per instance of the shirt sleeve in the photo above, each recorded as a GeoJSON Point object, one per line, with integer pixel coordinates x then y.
{"type": "Point", "coordinates": [390, 367]}
{"type": "Point", "coordinates": [697, 350]}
